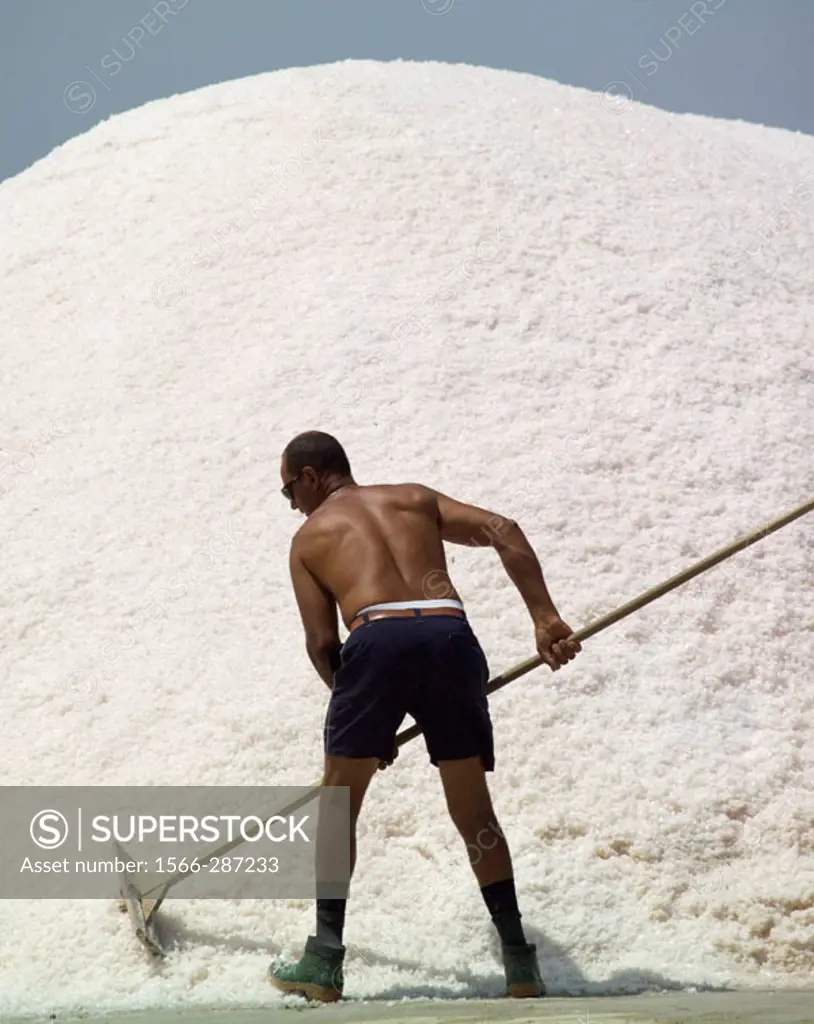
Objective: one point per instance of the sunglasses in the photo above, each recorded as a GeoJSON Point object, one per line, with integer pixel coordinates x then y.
{"type": "Point", "coordinates": [287, 489]}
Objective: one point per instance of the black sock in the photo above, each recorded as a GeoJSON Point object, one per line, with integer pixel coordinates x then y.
{"type": "Point", "coordinates": [501, 901]}
{"type": "Point", "coordinates": [330, 921]}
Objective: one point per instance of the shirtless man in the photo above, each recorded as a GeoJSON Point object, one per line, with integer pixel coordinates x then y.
{"type": "Point", "coordinates": [375, 552]}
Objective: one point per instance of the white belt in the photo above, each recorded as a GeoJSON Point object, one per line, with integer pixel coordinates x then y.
{"type": "Point", "coordinates": [409, 605]}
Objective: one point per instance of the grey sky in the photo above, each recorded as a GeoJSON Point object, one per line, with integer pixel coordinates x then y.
{"type": "Point", "coordinates": [744, 59]}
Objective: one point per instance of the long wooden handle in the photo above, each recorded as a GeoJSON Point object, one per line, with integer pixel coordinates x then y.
{"type": "Point", "coordinates": [526, 666]}
{"type": "Point", "coordinates": [626, 609]}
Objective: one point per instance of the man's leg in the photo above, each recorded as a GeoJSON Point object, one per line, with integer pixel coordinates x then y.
{"type": "Point", "coordinates": [319, 974]}
{"type": "Point", "coordinates": [355, 773]}
{"type": "Point", "coordinates": [470, 807]}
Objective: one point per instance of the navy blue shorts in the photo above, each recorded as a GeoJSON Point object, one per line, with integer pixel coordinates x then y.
{"type": "Point", "coordinates": [431, 668]}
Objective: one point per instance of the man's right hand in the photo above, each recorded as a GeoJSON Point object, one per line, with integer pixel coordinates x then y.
{"type": "Point", "coordinates": [553, 645]}
{"type": "Point", "coordinates": [386, 764]}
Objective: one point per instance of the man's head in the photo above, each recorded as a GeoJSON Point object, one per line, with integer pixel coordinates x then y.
{"type": "Point", "coordinates": [313, 464]}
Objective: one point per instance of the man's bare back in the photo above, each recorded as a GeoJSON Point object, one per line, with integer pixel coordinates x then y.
{"type": "Point", "coordinates": [384, 543]}
{"type": "Point", "coordinates": [378, 543]}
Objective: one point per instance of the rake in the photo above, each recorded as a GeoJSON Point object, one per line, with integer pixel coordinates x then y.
{"type": "Point", "coordinates": [143, 904]}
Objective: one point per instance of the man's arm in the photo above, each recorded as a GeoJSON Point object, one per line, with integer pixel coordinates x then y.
{"type": "Point", "coordinates": [319, 616]}
{"type": "Point", "coordinates": [476, 527]}
{"type": "Point", "coordinates": [467, 524]}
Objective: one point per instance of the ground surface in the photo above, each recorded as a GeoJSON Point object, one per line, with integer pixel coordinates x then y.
{"type": "Point", "coordinates": [706, 1008]}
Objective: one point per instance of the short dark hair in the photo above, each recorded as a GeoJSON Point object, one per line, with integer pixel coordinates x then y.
{"type": "Point", "coordinates": [316, 449]}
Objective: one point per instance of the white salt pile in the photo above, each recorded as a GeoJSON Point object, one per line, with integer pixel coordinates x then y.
{"type": "Point", "coordinates": [596, 320]}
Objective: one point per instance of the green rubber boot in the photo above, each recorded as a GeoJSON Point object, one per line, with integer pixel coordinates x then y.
{"type": "Point", "coordinates": [317, 975]}
{"type": "Point", "coordinates": [523, 979]}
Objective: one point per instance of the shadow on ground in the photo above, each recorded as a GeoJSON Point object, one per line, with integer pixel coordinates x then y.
{"type": "Point", "coordinates": [560, 973]}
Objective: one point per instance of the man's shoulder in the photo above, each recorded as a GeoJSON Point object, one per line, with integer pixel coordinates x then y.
{"type": "Point", "coordinates": [408, 488]}
{"type": "Point", "coordinates": [407, 494]}
{"type": "Point", "coordinates": [411, 487]}
{"type": "Point", "coordinates": [301, 537]}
